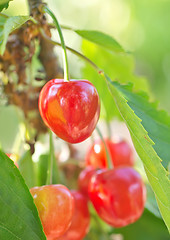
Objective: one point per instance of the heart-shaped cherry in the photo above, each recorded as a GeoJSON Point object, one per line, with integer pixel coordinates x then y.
{"type": "Point", "coordinates": [118, 195]}
{"type": "Point", "coordinates": [81, 218]}
{"type": "Point", "coordinates": [120, 152]}
{"type": "Point", "coordinates": [55, 205]}
{"type": "Point", "coordinates": [70, 109]}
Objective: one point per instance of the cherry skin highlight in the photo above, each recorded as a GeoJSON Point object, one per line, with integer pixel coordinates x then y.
{"type": "Point", "coordinates": [118, 195]}
{"type": "Point", "coordinates": [84, 179]}
{"type": "Point", "coordinates": [55, 205]}
{"type": "Point", "coordinates": [81, 219]}
{"type": "Point", "coordinates": [121, 154]}
{"type": "Point", "coordinates": [70, 109]}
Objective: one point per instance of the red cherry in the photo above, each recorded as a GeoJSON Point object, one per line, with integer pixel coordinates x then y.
{"type": "Point", "coordinates": [70, 109]}
{"type": "Point", "coordinates": [84, 179]}
{"type": "Point", "coordinates": [121, 154]}
{"type": "Point", "coordinates": [118, 195]}
{"type": "Point", "coordinates": [81, 219]}
{"type": "Point", "coordinates": [55, 205]}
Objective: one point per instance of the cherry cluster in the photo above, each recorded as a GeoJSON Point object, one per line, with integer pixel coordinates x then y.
{"type": "Point", "coordinates": [71, 110]}
{"type": "Point", "coordinates": [118, 195]}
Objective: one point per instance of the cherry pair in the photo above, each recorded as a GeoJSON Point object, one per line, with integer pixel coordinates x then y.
{"type": "Point", "coordinates": [118, 195]}
{"type": "Point", "coordinates": [61, 212]}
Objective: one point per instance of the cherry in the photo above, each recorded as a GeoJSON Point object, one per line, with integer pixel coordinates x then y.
{"type": "Point", "coordinates": [84, 179]}
{"type": "Point", "coordinates": [121, 154]}
{"type": "Point", "coordinates": [55, 205]}
{"type": "Point", "coordinates": [70, 109]}
{"type": "Point", "coordinates": [118, 195]}
{"type": "Point", "coordinates": [81, 219]}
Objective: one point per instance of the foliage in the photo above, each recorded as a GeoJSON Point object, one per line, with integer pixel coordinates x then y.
{"type": "Point", "coordinates": [12, 128]}
{"type": "Point", "coordinates": [137, 113]}
{"type": "Point", "coordinates": [122, 98]}
{"type": "Point", "coordinates": [19, 217]}
{"type": "Point", "coordinates": [148, 227]}
{"type": "Point", "coordinates": [8, 25]}
{"type": "Point", "coordinates": [117, 66]}
{"type": "Point", "coordinates": [101, 39]}
{"type": "Point", "coordinates": [153, 53]}
{"type": "Point", "coordinates": [4, 4]}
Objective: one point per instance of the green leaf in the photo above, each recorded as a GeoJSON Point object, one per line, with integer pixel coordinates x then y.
{"type": "Point", "coordinates": [42, 166]}
{"type": "Point", "coordinates": [26, 167]}
{"type": "Point", "coordinates": [99, 230]}
{"type": "Point", "coordinates": [2, 20]}
{"type": "Point", "coordinates": [4, 4]}
{"type": "Point", "coordinates": [19, 217]}
{"type": "Point", "coordinates": [101, 39]}
{"type": "Point", "coordinates": [11, 128]}
{"type": "Point", "coordinates": [146, 124]}
{"type": "Point", "coordinates": [5, 1]}
{"type": "Point", "coordinates": [148, 227]}
{"type": "Point", "coordinates": [151, 204]}
{"type": "Point", "coordinates": [117, 66]}
{"type": "Point", "coordinates": [10, 24]}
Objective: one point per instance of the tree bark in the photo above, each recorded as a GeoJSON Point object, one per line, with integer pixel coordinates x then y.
{"type": "Point", "coordinates": [47, 56]}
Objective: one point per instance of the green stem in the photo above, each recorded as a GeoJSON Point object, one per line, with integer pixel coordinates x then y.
{"type": "Point", "coordinates": [109, 161]}
{"type": "Point", "coordinates": [65, 60]}
{"type": "Point", "coordinates": [50, 161]}
{"type": "Point", "coordinates": [92, 139]}
{"type": "Point", "coordinates": [101, 229]}
{"type": "Point", "coordinates": [109, 132]}
{"type": "Point", "coordinates": [67, 28]}
{"type": "Point", "coordinates": [3, 15]}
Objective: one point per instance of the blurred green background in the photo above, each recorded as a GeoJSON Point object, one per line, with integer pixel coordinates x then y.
{"type": "Point", "coordinates": [140, 26]}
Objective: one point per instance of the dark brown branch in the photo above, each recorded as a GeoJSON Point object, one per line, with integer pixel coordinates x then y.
{"type": "Point", "coordinates": [47, 56]}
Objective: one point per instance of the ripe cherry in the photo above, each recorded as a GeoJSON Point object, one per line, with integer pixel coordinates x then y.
{"type": "Point", "coordinates": [81, 219]}
{"type": "Point", "coordinates": [70, 109]}
{"type": "Point", "coordinates": [55, 205]}
{"type": "Point", "coordinates": [121, 154]}
{"type": "Point", "coordinates": [118, 195]}
{"type": "Point", "coordinates": [84, 179]}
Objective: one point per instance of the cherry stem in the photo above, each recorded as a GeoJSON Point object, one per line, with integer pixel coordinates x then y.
{"type": "Point", "coordinates": [3, 15]}
{"type": "Point", "coordinates": [50, 161]}
{"type": "Point", "coordinates": [102, 230]}
{"type": "Point", "coordinates": [109, 132]}
{"type": "Point", "coordinates": [65, 60]}
{"type": "Point", "coordinates": [108, 156]}
{"type": "Point", "coordinates": [67, 27]}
